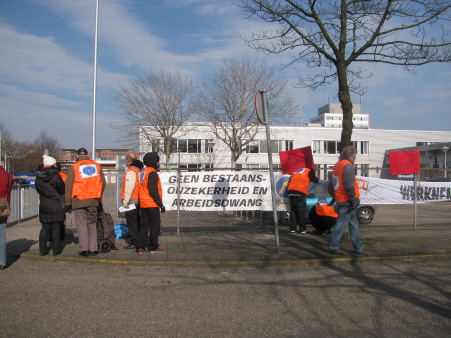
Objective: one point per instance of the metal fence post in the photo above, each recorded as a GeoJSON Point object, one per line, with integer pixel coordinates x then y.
{"type": "Point", "coordinates": [178, 198]}
{"type": "Point", "coordinates": [415, 182]}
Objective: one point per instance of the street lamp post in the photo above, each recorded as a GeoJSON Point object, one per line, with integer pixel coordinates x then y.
{"type": "Point", "coordinates": [445, 150]}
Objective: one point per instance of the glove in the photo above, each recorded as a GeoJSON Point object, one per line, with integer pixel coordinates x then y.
{"type": "Point", "coordinates": [69, 208]}
{"type": "Point", "coordinates": [162, 209]}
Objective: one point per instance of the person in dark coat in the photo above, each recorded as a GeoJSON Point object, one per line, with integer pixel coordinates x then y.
{"type": "Point", "coordinates": [52, 212]}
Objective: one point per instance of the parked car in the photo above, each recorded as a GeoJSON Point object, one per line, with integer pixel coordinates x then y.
{"type": "Point", "coordinates": [20, 181]}
{"type": "Point", "coordinates": [365, 212]}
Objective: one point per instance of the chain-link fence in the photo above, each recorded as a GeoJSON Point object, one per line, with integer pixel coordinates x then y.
{"type": "Point", "coordinates": [227, 200]}
{"type": "Point", "coordinates": [419, 200]}
{"type": "Point", "coordinates": [241, 200]}
{"type": "Point", "coordinates": [207, 201]}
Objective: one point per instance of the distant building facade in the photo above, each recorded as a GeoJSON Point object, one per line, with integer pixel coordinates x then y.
{"type": "Point", "coordinates": [108, 158]}
{"type": "Point", "coordinates": [200, 150]}
{"type": "Point", "coordinates": [331, 116]}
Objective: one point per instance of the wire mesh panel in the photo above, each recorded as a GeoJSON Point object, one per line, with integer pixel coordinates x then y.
{"type": "Point", "coordinates": [207, 201]}
{"type": "Point", "coordinates": [405, 200]}
{"type": "Point", "coordinates": [241, 200]}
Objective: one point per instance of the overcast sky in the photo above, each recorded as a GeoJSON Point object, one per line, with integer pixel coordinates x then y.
{"type": "Point", "coordinates": [47, 53]}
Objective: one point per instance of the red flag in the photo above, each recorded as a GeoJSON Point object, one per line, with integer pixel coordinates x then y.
{"type": "Point", "coordinates": [404, 162]}
{"type": "Point", "coordinates": [292, 160]}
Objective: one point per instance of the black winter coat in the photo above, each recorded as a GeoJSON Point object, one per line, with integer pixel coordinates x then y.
{"type": "Point", "coordinates": [51, 209]}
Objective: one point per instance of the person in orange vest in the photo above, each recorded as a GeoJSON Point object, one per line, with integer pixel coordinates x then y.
{"type": "Point", "coordinates": [343, 186]}
{"type": "Point", "coordinates": [151, 204]}
{"type": "Point", "coordinates": [130, 195]}
{"type": "Point", "coordinates": [64, 177]}
{"type": "Point", "coordinates": [297, 192]}
{"type": "Point", "coordinates": [323, 217]}
{"type": "Point", "coordinates": [85, 184]}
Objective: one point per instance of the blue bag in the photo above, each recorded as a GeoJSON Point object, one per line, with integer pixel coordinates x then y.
{"type": "Point", "coordinates": [121, 230]}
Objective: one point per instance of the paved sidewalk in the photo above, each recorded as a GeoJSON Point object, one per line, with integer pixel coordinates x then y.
{"type": "Point", "coordinates": [237, 249]}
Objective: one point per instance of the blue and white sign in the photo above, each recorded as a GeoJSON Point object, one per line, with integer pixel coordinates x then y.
{"type": "Point", "coordinates": [89, 170]}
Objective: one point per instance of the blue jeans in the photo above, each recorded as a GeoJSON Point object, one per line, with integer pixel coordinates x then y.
{"type": "Point", "coordinates": [3, 224]}
{"type": "Point", "coordinates": [346, 216]}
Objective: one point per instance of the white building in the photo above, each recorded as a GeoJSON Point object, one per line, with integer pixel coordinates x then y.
{"type": "Point", "coordinates": [199, 149]}
{"type": "Point", "coordinates": [331, 115]}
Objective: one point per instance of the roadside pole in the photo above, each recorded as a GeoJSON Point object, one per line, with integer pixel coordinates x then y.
{"type": "Point", "coordinates": [261, 108]}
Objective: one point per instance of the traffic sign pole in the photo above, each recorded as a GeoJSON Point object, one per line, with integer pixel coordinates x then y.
{"type": "Point", "coordinates": [261, 107]}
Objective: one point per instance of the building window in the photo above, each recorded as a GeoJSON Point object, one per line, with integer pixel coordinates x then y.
{"type": "Point", "coordinates": [316, 147]}
{"type": "Point", "coordinates": [361, 147]}
{"type": "Point", "coordinates": [252, 147]}
{"type": "Point", "coordinates": [330, 147]}
{"type": "Point", "coordinates": [194, 146]}
{"type": "Point", "coordinates": [194, 167]}
{"type": "Point", "coordinates": [264, 147]}
{"type": "Point", "coordinates": [157, 144]}
{"type": "Point", "coordinates": [288, 145]}
{"type": "Point", "coordinates": [261, 147]}
{"type": "Point", "coordinates": [209, 144]}
{"type": "Point", "coordinates": [186, 146]}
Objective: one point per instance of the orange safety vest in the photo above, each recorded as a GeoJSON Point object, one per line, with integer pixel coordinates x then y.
{"type": "Point", "coordinates": [341, 195]}
{"type": "Point", "coordinates": [87, 181]}
{"type": "Point", "coordinates": [135, 194]}
{"type": "Point", "coordinates": [324, 209]}
{"type": "Point", "coordinates": [145, 200]}
{"type": "Point", "coordinates": [300, 181]}
{"type": "Point", "coordinates": [63, 176]}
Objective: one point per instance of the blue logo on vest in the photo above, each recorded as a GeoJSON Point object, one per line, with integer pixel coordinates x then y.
{"type": "Point", "coordinates": [89, 170]}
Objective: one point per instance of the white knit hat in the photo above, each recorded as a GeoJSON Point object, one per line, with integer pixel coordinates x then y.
{"type": "Point", "coordinates": [48, 161]}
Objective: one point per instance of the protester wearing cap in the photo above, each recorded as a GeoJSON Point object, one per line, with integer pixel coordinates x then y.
{"type": "Point", "coordinates": [85, 184]}
{"type": "Point", "coordinates": [130, 195]}
{"type": "Point", "coordinates": [50, 187]}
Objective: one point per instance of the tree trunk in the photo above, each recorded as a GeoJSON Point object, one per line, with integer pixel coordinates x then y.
{"type": "Point", "coordinates": [345, 99]}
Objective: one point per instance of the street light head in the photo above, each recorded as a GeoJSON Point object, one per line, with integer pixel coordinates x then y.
{"type": "Point", "coordinates": [445, 149]}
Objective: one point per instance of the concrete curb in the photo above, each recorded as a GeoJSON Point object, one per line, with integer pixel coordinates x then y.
{"type": "Point", "coordinates": [270, 263]}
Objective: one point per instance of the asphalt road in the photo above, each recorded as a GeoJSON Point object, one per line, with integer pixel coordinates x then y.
{"type": "Point", "coordinates": [40, 299]}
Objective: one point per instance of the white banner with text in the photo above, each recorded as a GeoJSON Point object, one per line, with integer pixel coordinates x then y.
{"type": "Point", "coordinates": [245, 190]}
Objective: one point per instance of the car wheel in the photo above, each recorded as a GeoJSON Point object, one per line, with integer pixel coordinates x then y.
{"type": "Point", "coordinates": [365, 215]}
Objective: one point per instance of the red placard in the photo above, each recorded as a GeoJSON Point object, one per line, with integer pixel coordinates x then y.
{"type": "Point", "coordinates": [404, 162]}
{"type": "Point", "coordinates": [292, 160]}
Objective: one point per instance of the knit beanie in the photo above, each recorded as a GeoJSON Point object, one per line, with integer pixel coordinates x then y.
{"type": "Point", "coordinates": [151, 159]}
{"type": "Point", "coordinates": [48, 161]}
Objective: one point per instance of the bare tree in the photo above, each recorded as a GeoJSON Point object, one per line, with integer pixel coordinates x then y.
{"type": "Point", "coordinates": [227, 103]}
{"type": "Point", "coordinates": [331, 35]}
{"type": "Point", "coordinates": [45, 142]}
{"type": "Point", "coordinates": [155, 107]}
{"type": "Point", "coordinates": [7, 145]}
